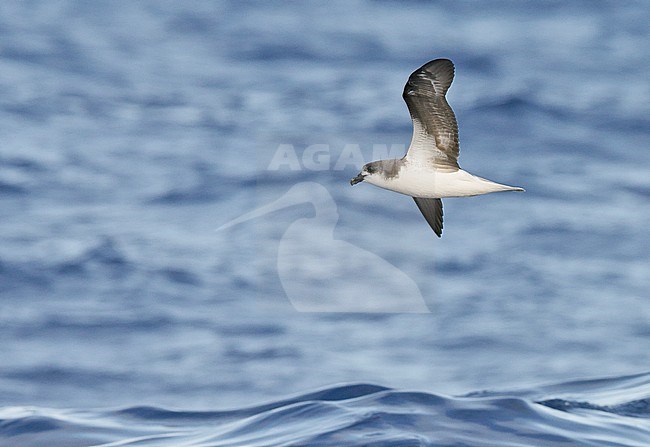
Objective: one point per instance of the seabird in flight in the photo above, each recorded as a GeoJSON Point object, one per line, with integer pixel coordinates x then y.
{"type": "Point", "coordinates": [429, 171]}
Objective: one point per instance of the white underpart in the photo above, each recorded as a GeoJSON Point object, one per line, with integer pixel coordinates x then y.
{"type": "Point", "coordinates": [416, 180]}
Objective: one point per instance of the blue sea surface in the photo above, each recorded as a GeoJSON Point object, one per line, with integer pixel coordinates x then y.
{"type": "Point", "coordinates": [131, 131]}
{"type": "Point", "coordinates": [362, 415]}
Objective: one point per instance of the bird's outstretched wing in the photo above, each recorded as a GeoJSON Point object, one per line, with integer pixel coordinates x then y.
{"type": "Point", "coordinates": [435, 130]}
{"type": "Point", "coordinates": [431, 209]}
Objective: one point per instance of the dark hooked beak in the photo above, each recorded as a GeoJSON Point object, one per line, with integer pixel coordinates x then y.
{"type": "Point", "coordinates": [357, 179]}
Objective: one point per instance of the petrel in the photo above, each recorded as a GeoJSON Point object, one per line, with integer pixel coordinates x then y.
{"type": "Point", "coordinates": [429, 171]}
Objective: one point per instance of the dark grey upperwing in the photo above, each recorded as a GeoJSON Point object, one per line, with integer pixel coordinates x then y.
{"type": "Point", "coordinates": [424, 94]}
{"type": "Point", "coordinates": [431, 209]}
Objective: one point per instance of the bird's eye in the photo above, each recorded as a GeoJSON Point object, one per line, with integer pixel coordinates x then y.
{"type": "Point", "coordinates": [370, 169]}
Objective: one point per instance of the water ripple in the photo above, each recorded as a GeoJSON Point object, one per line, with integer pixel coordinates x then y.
{"type": "Point", "coordinates": [369, 415]}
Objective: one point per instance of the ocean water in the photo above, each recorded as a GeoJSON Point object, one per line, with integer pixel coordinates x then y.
{"type": "Point", "coordinates": [138, 306]}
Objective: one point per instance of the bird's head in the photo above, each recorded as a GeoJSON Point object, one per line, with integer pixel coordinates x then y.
{"type": "Point", "coordinates": [368, 170]}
